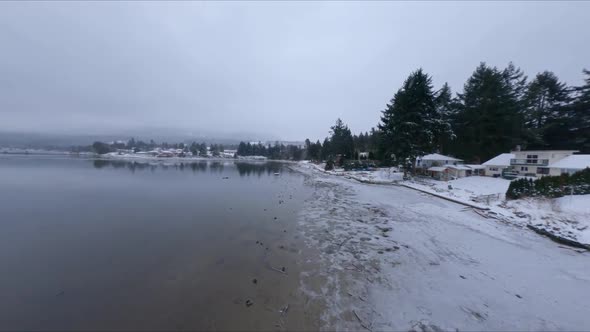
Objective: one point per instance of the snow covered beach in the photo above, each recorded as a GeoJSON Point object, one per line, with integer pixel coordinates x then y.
{"type": "Point", "coordinates": [566, 218]}
{"type": "Point", "coordinates": [397, 259]}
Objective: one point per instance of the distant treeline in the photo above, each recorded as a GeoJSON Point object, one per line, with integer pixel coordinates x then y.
{"type": "Point", "coordinates": [277, 151]}
{"type": "Point", "coordinates": [197, 149]}
{"type": "Point", "coordinates": [497, 110]}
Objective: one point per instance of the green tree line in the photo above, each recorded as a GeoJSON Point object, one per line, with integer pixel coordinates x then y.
{"type": "Point", "coordinates": [496, 110]}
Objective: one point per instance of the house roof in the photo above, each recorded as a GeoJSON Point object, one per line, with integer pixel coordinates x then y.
{"type": "Point", "coordinates": [460, 167]}
{"type": "Point", "coordinates": [437, 169]}
{"type": "Point", "coordinates": [576, 161]}
{"type": "Point", "coordinates": [436, 156]}
{"type": "Point", "coordinates": [545, 151]}
{"type": "Point", "coordinates": [472, 166]}
{"type": "Point", "coordinates": [500, 160]}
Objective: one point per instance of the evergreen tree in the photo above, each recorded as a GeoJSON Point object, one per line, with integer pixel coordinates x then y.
{"type": "Point", "coordinates": [341, 141]}
{"type": "Point", "coordinates": [242, 149]}
{"type": "Point", "coordinates": [445, 110]}
{"type": "Point", "coordinates": [314, 151]}
{"type": "Point", "coordinates": [545, 112]}
{"type": "Point", "coordinates": [194, 148]}
{"type": "Point", "coordinates": [409, 122]}
{"type": "Point", "coordinates": [326, 152]}
{"type": "Point", "coordinates": [579, 117]}
{"type": "Point", "coordinates": [516, 82]}
{"type": "Point", "coordinates": [203, 150]}
{"type": "Point", "coordinates": [544, 98]}
{"type": "Point", "coordinates": [488, 122]}
{"type": "Point", "coordinates": [101, 148]}
{"type": "Point", "coordinates": [131, 143]}
{"type": "Point", "coordinates": [373, 143]}
{"type": "Point", "coordinates": [214, 150]}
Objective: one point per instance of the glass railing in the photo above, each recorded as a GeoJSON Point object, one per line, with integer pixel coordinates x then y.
{"type": "Point", "coordinates": [534, 162]}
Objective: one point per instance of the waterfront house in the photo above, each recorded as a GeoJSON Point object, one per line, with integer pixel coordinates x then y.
{"type": "Point", "coordinates": [570, 164]}
{"type": "Point", "coordinates": [438, 172]}
{"type": "Point", "coordinates": [496, 165]}
{"type": "Point", "coordinates": [435, 159]}
{"type": "Point", "coordinates": [537, 162]}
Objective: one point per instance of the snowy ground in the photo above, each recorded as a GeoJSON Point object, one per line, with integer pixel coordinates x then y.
{"type": "Point", "coordinates": [378, 176]}
{"type": "Point", "coordinates": [567, 217]}
{"type": "Point", "coordinates": [397, 259]}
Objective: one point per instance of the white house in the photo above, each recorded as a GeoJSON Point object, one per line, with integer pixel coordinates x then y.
{"type": "Point", "coordinates": [475, 169]}
{"type": "Point", "coordinates": [458, 171]}
{"type": "Point", "coordinates": [438, 172]}
{"type": "Point", "coordinates": [496, 165]}
{"type": "Point", "coordinates": [229, 153]}
{"type": "Point", "coordinates": [435, 159]}
{"type": "Point", "coordinates": [570, 164]}
{"type": "Point", "coordinates": [450, 172]}
{"type": "Point", "coordinates": [536, 162]}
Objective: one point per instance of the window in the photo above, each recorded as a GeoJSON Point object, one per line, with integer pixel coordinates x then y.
{"type": "Point", "coordinates": [531, 158]}
{"type": "Point", "coordinates": [523, 168]}
{"type": "Point", "coordinates": [542, 170]}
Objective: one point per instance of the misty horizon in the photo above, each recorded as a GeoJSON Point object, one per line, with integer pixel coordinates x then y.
{"type": "Point", "coordinates": [295, 165]}
{"type": "Point", "coordinates": [271, 70]}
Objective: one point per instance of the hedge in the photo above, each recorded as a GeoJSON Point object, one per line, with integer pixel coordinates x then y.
{"type": "Point", "coordinates": [551, 186]}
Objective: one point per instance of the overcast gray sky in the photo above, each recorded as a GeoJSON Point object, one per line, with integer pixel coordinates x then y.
{"type": "Point", "coordinates": [281, 69]}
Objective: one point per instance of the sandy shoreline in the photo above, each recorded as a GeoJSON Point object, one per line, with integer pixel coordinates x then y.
{"type": "Point", "coordinates": [394, 259]}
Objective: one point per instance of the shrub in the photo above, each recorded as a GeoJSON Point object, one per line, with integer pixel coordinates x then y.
{"type": "Point", "coordinates": [329, 165]}
{"type": "Point", "coordinates": [551, 186]}
{"type": "Point", "coordinates": [101, 148]}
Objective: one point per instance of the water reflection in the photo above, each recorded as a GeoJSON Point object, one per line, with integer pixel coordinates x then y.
{"type": "Point", "coordinates": [244, 168]}
{"type": "Point", "coordinates": [256, 169]}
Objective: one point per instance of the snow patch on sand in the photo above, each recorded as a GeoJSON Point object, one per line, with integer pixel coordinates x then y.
{"type": "Point", "coordinates": [397, 259]}
{"type": "Point", "coordinates": [566, 217]}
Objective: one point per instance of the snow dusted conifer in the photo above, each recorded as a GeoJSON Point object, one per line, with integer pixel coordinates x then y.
{"type": "Point", "coordinates": [409, 123]}
{"type": "Point", "coordinates": [445, 110]}
{"type": "Point", "coordinates": [489, 121]}
{"type": "Point", "coordinates": [580, 116]}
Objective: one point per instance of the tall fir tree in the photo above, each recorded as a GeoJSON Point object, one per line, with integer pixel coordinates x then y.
{"type": "Point", "coordinates": [445, 110]}
{"type": "Point", "coordinates": [341, 140]}
{"type": "Point", "coordinates": [546, 111]}
{"type": "Point", "coordinates": [326, 152]}
{"type": "Point", "coordinates": [580, 116]}
{"type": "Point", "coordinates": [408, 124]}
{"type": "Point", "coordinates": [488, 121]}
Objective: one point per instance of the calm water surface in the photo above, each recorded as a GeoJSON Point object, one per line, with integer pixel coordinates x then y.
{"type": "Point", "coordinates": [94, 244]}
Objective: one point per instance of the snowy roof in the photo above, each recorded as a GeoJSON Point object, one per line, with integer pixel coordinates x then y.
{"type": "Point", "coordinates": [436, 156]}
{"type": "Point", "coordinates": [576, 161]}
{"type": "Point", "coordinates": [544, 151]}
{"type": "Point", "coordinates": [461, 167]}
{"type": "Point", "coordinates": [500, 160]}
{"type": "Point", "coordinates": [472, 166]}
{"type": "Point", "coordinates": [437, 169]}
